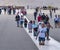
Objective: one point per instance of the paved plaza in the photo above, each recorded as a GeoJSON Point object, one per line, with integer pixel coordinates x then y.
{"type": "Point", "coordinates": [16, 38]}
{"type": "Point", "coordinates": [13, 38]}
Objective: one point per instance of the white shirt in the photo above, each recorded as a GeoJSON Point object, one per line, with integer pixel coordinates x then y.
{"type": "Point", "coordinates": [56, 19]}
{"type": "Point", "coordinates": [42, 32]}
{"type": "Point", "coordinates": [40, 25]}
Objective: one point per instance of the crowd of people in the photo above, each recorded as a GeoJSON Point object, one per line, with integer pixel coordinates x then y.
{"type": "Point", "coordinates": [43, 28]}
{"type": "Point", "coordinates": [11, 10]}
{"type": "Point", "coordinates": [7, 10]}
{"type": "Point", "coordinates": [21, 20]}
{"type": "Point", "coordinates": [40, 30]}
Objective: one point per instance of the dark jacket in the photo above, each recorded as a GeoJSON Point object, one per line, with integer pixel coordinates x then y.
{"type": "Point", "coordinates": [17, 17]}
{"type": "Point", "coordinates": [35, 14]}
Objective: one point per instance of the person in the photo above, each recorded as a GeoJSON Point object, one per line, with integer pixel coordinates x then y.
{"type": "Point", "coordinates": [56, 21]}
{"type": "Point", "coordinates": [35, 15]}
{"type": "Point", "coordinates": [36, 9]}
{"type": "Point", "coordinates": [14, 11]}
{"type": "Point", "coordinates": [21, 21]}
{"type": "Point", "coordinates": [48, 28]}
{"type": "Point", "coordinates": [35, 29]}
{"type": "Point", "coordinates": [54, 10]}
{"type": "Point", "coordinates": [17, 18]}
{"type": "Point", "coordinates": [50, 13]}
{"type": "Point", "coordinates": [39, 18]}
{"type": "Point", "coordinates": [43, 16]}
{"type": "Point", "coordinates": [59, 21]}
{"type": "Point", "coordinates": [41, 35]}
{"type": "Point", "coordinates": [30, 26]}
{"type": "Point", "coordinates": [5, 10]}
{"type": "Point", "coordinates": [46, 19]}
{"type": "Point", "coordinates": [23, 11]}
{"type": "Point", "coordinates": [0, 11]}
{"type": "Point", "coordinates": [9, 11]}
{"type": "Point", "coordinates": [39, 26]}
{"type": "Point", "coordinates": [25, 23]}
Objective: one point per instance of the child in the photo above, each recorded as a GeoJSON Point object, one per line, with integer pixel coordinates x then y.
{"type": "Point", "coordinates": [25, 23]}
{"type": "Point", "coordinates": [30, 26]}
{"type": "Point", "coordinates": [35, 28]}
{"type": "Point", "coordinates": [41, 34]}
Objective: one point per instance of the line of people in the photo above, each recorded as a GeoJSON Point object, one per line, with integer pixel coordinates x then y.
{"type": "Point", "coordinates": [7, 10]}
{"type": "Point", "coordinates": [40, 30]}
{"type": "Point", "coordinates": [13, 11]}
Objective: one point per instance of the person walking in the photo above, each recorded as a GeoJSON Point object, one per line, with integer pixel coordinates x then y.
{"type": "Point", "coordinates": [25, 23]}
{"type": "Point", "coordinates": [50, 14]}
{"type": "Point", "coordinates": [21, 21]}
{"type": "Point", "coordinates": [35, 15]}
{"type": "Point", "coordinates": [17, 18]}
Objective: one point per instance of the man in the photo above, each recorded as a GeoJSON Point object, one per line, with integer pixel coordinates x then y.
{"type": "Point", "coordinates": [43, 16]}
{"type": "Point", "coordinates": [0, 11]}
{"type": "Point", "coordinates": [50, 13]}
{"type": "Point", "coordinates": [41, 35]}
{"type": "Point", "coordinates": [35, 15]}
{"type": "Point", "coordinates": [17, 19]}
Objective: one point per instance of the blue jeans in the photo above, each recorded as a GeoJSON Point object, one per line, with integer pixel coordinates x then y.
{"type": "Point", "coordinates": [17, 23]}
